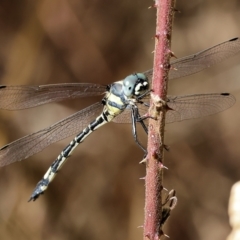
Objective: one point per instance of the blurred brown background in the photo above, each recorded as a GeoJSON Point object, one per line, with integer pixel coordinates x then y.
{"type": "Point", "coordinates": [98, 194]}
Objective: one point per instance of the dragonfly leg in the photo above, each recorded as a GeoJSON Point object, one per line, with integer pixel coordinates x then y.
{"type": "Point", "coordinates": [145, 116]}
{"type": "Point", "coordinates": [140, 120]}
{"type": "Point", "coordinates": [135, 116]}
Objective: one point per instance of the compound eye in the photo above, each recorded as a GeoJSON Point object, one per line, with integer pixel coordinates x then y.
{"type": "Point", "coordinates": [135, 84]}
{"type": "Point", "coordinates": [128, 85]}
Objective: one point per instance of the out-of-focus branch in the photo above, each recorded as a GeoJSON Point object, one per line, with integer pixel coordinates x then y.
{"type": "Point", "coordinates": [234, 212]}
{"type": "Point", "coordinates": [154, 160]}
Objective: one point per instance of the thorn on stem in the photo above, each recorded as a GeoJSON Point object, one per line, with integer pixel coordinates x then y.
{"type": "Point", "coordinates": [148, 236]}
{"type": "Point", "coordinates": [166, 147]}
{"type": "Point", "coordinates": [162, 166]}
{"type": "Point", "coordinates": [157, 35]}
{"type": "Point", "coordinates": [173, 68]}
{"type": "Point", "coordinates": [143, 161]}
{"type": "Point", "coordinates": [152, 6]}
{"type": "Point", "coordinates": [142, 178]}
{"type": "Point", "coordinates": [165, 189]}
{"type": "Point", "coordinates": [172, 54]}
{"type": "Point", "coordinates": [176, 10]}
{"type": "Point", "coordinates": [168, 108]}
{"type": "Point", "coordinates": [165, 235]}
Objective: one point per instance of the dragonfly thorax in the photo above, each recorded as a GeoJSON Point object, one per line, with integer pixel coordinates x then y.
{"type": "Point", "coordinates": [135, 85]}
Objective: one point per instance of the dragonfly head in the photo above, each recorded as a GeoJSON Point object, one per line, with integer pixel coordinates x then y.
{"type": "Point", "coordinates": [135, 85]}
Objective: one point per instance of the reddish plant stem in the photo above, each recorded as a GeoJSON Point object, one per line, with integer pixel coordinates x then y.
{"type": "Point", "coordinates": [154, 169]}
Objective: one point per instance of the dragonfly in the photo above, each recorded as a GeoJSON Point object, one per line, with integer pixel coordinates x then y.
{"type": "Point", "coordinates": [124, 101]}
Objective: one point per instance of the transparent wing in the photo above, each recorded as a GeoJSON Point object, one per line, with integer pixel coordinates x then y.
{"type": "Point", "coordinates": [21, 97]}
{"type": "Point", "coordinates": [197, 62]}
{"type": "Point", "coordinates": [187, 107]}
{"type": "Point", "coordinates": [197, 105]}
{"type": "Point", "coordinates": [36, 142]}
{"type": "Point", "coordinates": [181, 108]}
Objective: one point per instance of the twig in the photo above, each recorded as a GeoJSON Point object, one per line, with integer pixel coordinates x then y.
{"type": "Point", "coordinates": [154, 169]}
